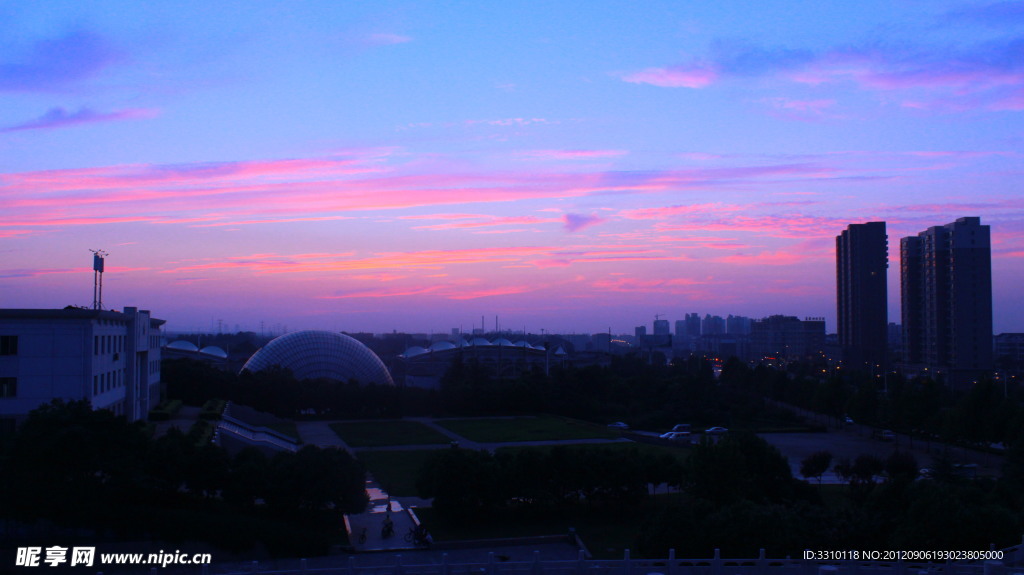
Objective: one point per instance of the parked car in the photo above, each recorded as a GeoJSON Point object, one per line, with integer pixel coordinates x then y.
{"type": "Point", "coordinates": [682, 427]}
{"type": "Point", "coordinates": [676, 435]}
{"type": "Point", "coordinates": [618, 425]}
{"type": "Point", "coordinates": [716, 431]}
{"type": "Point", "coordinates": [849, 420]}
{"type": "Point", "coordinates": [887, 435]}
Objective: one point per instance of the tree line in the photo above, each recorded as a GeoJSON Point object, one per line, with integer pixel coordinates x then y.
{"type": "Point", "coordinates": [70, 467]}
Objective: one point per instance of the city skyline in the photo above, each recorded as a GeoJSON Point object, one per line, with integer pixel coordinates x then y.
{"type": "Point", "coordinates": [569, 168]}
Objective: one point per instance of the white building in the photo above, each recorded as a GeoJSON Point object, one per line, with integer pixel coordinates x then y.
{"type": "Point", "coordinates": [110, 358]}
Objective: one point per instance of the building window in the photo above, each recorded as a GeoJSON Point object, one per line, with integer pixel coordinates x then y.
{"type": "Point", "coordinates": [8, 345]}
{"type": "Point", "coordinates": [8, 387]}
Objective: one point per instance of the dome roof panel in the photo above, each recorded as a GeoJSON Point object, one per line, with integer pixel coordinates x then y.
{"type": "Point", "coordinates": [183, 345]}
{"type": "Point", "coordinates": [321, 354]}
{"type": "Point", "coordinates": [214, 350]}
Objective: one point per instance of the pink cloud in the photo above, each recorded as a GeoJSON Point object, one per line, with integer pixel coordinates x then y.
{"type": "Point", "coordinates": [795, 226]}
{"type": "Point", "coordinates": [488, 221]}
{"type": "Point", "coordinates": [384, 293]}
{"type": "Point", "coordinates": [230, 193]}
{"type": "Point", "coordinates": [426, 259]}
{"type": "Point", "coordinates": [674, 286]}
{"type": "Point", "coordinates": [671, 211]}
{"type": "Point", "coordinates": [500, 291]}
{"type": "Point", "coordinates": [780, 258]}
{"type": "Point", "coordinates": [552, 263]}
{"type": "Point", "coordinates": [270, 221]}
{"type": "Point", "coordinates": [675, 77]}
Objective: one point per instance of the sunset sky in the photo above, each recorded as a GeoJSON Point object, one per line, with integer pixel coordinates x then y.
{"type": "Point", "coordinates": [566, 166]}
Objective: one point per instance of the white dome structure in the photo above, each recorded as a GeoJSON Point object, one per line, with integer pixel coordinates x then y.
{"type": "Point", "coordinates": [442, 346]}
{"type": "Point", "coordinates": [214, 351]}
{"type": "Point", "coordinates": [321, 354]}
{"type": "Point", "coordinates": [183, 345]}
{"type": "Point", "coordinates": [414, 351]}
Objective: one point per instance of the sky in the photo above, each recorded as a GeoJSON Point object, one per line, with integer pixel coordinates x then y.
{"type": "Point", "coordinates": [567, 166]}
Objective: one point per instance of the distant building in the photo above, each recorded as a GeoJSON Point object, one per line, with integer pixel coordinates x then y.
{"type": "Point", "coordinates": [640, 332]}
{"type": "Point", "coordinates": [425, 367]}
{"type": "Point", "coordinates": [737, 325]}
{"type": "Point", "coordinates": [712, 325]}
{"type": "Point", "coordinates": [862, 261]}
{"type": "Point", "coordinates": [787, 338]}
{"type": "Point", "coordinates": [110, 358]}
{"type": "Point", "coordinates": [1009, 350]}
{"type": "Point", "coordinates": [693, 324]}
{"type": "Point", "coordinates": [946, 274]}
{"type": "Point", "coordinates": [661, 327]}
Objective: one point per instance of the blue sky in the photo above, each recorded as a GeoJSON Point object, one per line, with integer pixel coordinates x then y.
{"type": "Point", "coordinates": [571, 166]}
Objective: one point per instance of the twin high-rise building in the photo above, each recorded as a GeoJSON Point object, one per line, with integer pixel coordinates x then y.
{"type": "Point", "coordinates": [946, 297]}
{"type": "Point", "coordinates": [862, 258]}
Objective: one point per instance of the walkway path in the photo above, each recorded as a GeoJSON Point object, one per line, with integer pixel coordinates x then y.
{"type": "Point", "coordinates": [380, 507]}
{"type": "Point", "coordinates": [371, 522]}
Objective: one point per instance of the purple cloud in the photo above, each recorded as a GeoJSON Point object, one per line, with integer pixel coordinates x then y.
{"type": "Point", "coordinates": [951, 77]}
{"type": "Point", "coordinates": [576, 222]}
{"type": "Point", "coordinates": [61, 118]}
{"type": "Point", "coordinates": [53, 64]}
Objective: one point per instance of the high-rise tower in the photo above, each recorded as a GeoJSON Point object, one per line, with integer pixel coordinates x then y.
{"type": "Point", "coordinates": [862, 258]}
{"type": "Point", "coordinates": [946, 293]}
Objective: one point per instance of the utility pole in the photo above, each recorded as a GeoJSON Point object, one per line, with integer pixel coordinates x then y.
{"type": "Point", "coordinates": [97, 278]}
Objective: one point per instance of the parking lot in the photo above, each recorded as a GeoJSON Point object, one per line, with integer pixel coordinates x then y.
{"type": "Point", "coordinates": [850, 441]}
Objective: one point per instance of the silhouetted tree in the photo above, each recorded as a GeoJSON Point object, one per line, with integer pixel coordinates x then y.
{"type": "Point", "coordinates": [816, 464]}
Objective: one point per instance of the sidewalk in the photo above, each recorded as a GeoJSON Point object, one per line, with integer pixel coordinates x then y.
{"type": "Point", "coordinates": [371, 522]}
{"type": "Point", "coordinates": [380, 507]}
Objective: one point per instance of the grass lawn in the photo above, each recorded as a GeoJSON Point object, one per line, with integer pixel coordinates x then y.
{"type": "Point", "coordinates": [395, 471]}
{"type": "Point", "coordinates": [385, 433]}
{"type": "Point", "coordinates": [680, 453]}
{"type": "Point", "coordinates": [540, 428]}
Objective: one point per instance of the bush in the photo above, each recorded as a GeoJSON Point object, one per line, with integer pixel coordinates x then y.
{"type": "Point", "coordinates": [212, 409]}
{"type": "Point", "coordinates": [165, 410]}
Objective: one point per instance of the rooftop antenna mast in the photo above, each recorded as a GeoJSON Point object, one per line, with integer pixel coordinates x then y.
{"type": "Point", "coordinates": [97, 279]}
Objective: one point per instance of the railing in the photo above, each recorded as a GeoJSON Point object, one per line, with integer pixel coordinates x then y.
{"type": "Point", "coordinates": [252, 433]}
{"type": "Point", "coordinates": [668, 566]}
